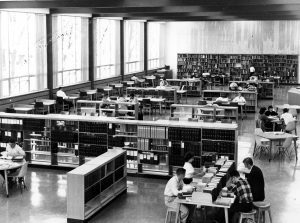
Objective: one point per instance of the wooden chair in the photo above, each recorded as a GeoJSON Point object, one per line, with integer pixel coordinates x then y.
{"type": "Point", "coordinates": [39, 108]}
{"type": "Point", "coordinates": [247, 215]}
{"type": "Point", "coordinates": [263, 207]}
{"type": "Point", "coordinates": [262, 145]}
{"type": "Point", "coordinates": [290, 127]}
{"type": "Point", "coordinates": [283, 150]}
{"type": "Point", "coordinates": [169, 214]}
{"type": "Point", "coordinates": [60, 105]}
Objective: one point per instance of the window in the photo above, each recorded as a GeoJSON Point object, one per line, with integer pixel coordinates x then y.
{"type": "Point", "coordinates": [156, 54]}
{"type": "Point", "coordinates": [134, 46]}
{"type": "Point", "coordinates": [23, 56]}
{"type": "Point", "coordinates": [70, 50]}
{"type": "Point", "coordinates": [107, 45]}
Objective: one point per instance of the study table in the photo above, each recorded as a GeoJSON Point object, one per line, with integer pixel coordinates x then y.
{"type": "Point", "coordinates": [23, 110]}
{"type": "Point", "coordinates": [279, 136]}
{"type": "Point", "coordinates": [6, 165]}
{"type": "Point", "coordinates": [48, 103]}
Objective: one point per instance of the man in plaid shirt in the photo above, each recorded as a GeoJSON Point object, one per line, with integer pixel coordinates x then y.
{"type": "Point", "coordinates": [242, 191]}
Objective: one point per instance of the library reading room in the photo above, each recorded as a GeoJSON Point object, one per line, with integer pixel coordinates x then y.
{"type": "Point", "coordinates": [138, 111]}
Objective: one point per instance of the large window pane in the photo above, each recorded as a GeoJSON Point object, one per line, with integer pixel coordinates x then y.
{"type": "Point", "coordinates": [107, 44]}
{"type": "Point", "coordinates": [156, 54]}
{"type": "Point", "coordinates": [134, 46]}
{"type": "Point", "coordinates": [70, 50]}
{"type": "Point", "coordinates": [22, 53]}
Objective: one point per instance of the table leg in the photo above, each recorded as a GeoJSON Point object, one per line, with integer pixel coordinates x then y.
{"type": "Point", "coordinates": [186, 97]}
{"type": "Point", "coordinates": [48, 109]}
{"type": "Point", "coordinates": [177, 213]}
{"type": "Point", "coordinates": [6, 183]}
{"type": "Point", "coordinates": [296, 149]}
{"type": "Point", "coordinates": [160, 108]}
{"type": "Point", "coordinates": [226, 215]}
{"type": "Point", "coordinates": [271, 145]}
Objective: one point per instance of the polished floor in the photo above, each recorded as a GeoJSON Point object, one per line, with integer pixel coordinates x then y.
{"type": "Point", "coordinates": [45, 200]}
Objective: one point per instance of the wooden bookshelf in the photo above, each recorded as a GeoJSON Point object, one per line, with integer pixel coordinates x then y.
{"type": "Point", "coordinates": [284, 66]}
{"type": "Point", "coordinates": [126, 134]}
{"type": "Point", "coordinates": [250, 97]}
{"type": "Point", "coordinates": [94, 184]}
{"type": "Point", "coordinates": [265, 90]}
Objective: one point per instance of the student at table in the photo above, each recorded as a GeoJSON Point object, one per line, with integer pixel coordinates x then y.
{"type": "Point", "coordinates": [265, 122]}
{"type": "Point", "coordinates": [173, 188]}
{"type": "Point", "coordinates": [239, 99]}
{"type": "Point", "coordinates": [60, 93]}
{"type": "Point", "coordinates": [190, 171]}
{"type": "Point", "coordinates": [256, 180]}
{"type": "Point", "coordinates": [286, 116]}
{"type": "Point", "coordinates": [163, 82]}
{"type": "Point", "coordinates": [242, 190]}
{"type": "Point", "coordinates": [271, 112]}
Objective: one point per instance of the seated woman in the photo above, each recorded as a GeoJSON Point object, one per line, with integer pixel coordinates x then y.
{"type": "Point", "coordinates": [190, 171]}
{"type": "Point", "coordinates": [265, 122]}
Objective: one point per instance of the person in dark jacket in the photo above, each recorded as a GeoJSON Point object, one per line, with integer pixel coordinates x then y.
{"type": "Point", "coordinates": [256, 180]}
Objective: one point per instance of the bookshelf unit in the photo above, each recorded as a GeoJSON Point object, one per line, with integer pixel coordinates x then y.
{"type": "Point", "coordinates": [250, 97]}
{"type": "Point", "coordinates": [95, 183]}
{"type": "Point", "coordinates": [150, 146]}
{"type": "Point", "coordinates": [284, 66]}
{"type": "Point", "coordinates": [265, 91]}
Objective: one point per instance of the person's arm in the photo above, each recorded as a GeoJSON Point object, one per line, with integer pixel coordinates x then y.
{"type": "Point", "coordinates": [20, 151]}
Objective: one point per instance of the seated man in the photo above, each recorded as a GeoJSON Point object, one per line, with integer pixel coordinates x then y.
{"type": "Point", "coordinates": [242, 190]}
{"type": "Point", "coordinates": [13, 149]}
{"type": "Point", "coordinates": [173, 188]}
{"type": "Point", "coordinates": [256, 180]}
{"type": "Point", "coordinates": [62, 94]}
{"type": "Point", "coordinates": [271, 112]}
{"type": "Point", "coordinates": [286, 116]}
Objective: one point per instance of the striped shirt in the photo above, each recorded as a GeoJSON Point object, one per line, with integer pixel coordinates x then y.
{"type": "Point", "coordinates": [242, 191]}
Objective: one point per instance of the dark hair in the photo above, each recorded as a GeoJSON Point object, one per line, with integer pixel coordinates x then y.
{"type": "Point", "coordinates": [262, 110]}
{"type": "Point", "coordinates": [234, 173]}
{"type": "Point", "coordinates": [180, 171]}
{"type": "Point", "coordinates": [188, 156]}
{"type": "Point", "coordinates": [270, 107]}
{"type": "Point", "coordinates": [12, 140]}
{"type": "Point", "coordinates": [248, 160]}
{"type": "Point", "coordinates": [59, 88]}
{"type": "Point", "coordinates": [131, 95]}
{"type": "Point", "coordinates": [285, 110]}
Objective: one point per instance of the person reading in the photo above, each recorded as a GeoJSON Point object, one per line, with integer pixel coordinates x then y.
{"type": "Point", "coordinates": [239, 99]}
{"type": "Point", "coordinates": [173, 188]}
{"type": "Point", "coordinates": [190, 171]}
{"type": "Point", "coordinates": [256, 180]}
{"type": "Point", "coordinates": [271, 112]}
{"type": "Point", "coordinates": [286, 116]}
{"type": "Point", "coordinates": [14, 150]}
{"type": "Point", "coordinates": [60, 93]}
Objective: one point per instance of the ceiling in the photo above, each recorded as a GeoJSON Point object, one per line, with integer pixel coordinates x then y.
{"type": "Point", "coordinates": [171, 10]}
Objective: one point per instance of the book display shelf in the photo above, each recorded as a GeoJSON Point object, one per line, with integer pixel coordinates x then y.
{"type": "Point", "coordinates": [152, 147]}
{"type": "Point", "coordinates": [94, 184]}
{"type": "Point", "coordinates": [250, 97]}
{"type": "Point", "coordinates": [265, 88]}
{"type": "Point", "coordinates": [284, 66]}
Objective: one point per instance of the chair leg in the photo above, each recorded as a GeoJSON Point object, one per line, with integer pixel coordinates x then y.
{"type": "Point", "coordinates": [240, 219]}
{"type": "Point", "coordinates": [270, 216]}
{"type": "Point", "coordinates": [258, 217]}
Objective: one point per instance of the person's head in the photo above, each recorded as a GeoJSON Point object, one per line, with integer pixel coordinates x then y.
{"type": "Point", "coordinates": [234, 175]}
{"type": "Point", "coordinates": [270, 108]}
{"type": "Point", "coordinates": [12, 142]}
{"type": "Point", "coordinates": [285, 110]}
{"type": "Point", "coordinates": [262, 110]}
{"type": "Point", "coordinates": [240, 94]}
{"type": "Point", "coordinates": [60, 88]}
{"type": "Point", "coordinates": [248, 162]}
{"type": "Point", "coordinates": [189, 157]}
{"type": "Point", "coordinates": [224, 95]}
{"type": "Point", "coordinates": [180, 173]}
{"type": "Point", "coordinates": [132, 95]}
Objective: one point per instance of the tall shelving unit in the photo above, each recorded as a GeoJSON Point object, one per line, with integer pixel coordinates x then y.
{"type": "Point", "coordinates": [150, 145]}
{"type": "Point", "coordinates": [94, 184]}
{"type": "Point", "coordinates": [285, 66]}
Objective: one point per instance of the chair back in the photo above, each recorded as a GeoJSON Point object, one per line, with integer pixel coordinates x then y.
{"type": "Point", "coordinates": [293, 112]}
{"type": "Point", "coordinates": [10, 110]}
{"type": "Point", "coordinates": [59, 100]}
{"type": "Point", "coordinates": [82, 93]}
{"type": "Point", "coordinates": [39, 105]}
{"type": "Point", "coordinates": [174, 119]}
{"type": "Point", "coordinates": [146, 100]}
{"type": "Point", "coordinates": [258, 123]}
{"type": "Point", "coordinates": [287, 143]}
{"type": "Point", "coordinates": [234, 104]}
{"type": "Point", "coordinates": [23, 170]}
{"type": "Point", "coordinates": [291, 126]}
{"type": "Point", "coordinates": [258, 138]}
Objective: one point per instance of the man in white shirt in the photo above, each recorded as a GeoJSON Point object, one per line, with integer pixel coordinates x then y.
{"type": "Point", "coordinates": [173, 188]}
{"type": "Point", "coordinates": [252, 70]}
{"type": "Point", "coordinates": [286, 116]}
{"type": "Point", "coordinates": [13, 149]}
{"type": "Point", "coordinates": [61, 93]}
{"type": "Point", "coordinates": [239, 99]}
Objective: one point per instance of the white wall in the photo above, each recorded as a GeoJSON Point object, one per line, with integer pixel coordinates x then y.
{"type": "Point", "coordinates": [236, 37]}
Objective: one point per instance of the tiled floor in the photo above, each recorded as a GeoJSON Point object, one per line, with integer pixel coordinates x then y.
{"type": "Point", "coordinates": [45, 201]}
